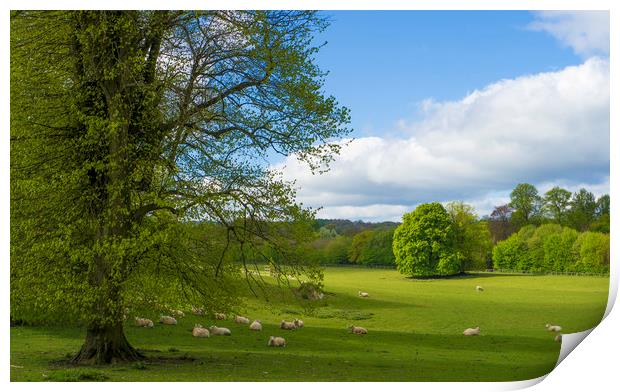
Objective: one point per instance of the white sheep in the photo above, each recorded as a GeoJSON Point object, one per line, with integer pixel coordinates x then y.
{"type": "Point", "coordinates": [177, 313]}
{"type": "Point", "coordinates": [298, 323]}
{"type": "Point", "coordinates": [276, 341]}
{"type": "Point", "coordinates": [362, 294]}
{"type": "Point", "coordinates": [479, 288]}
{"type": "Point", "coordinates": [241, 319]}
{"type": "Point", "coordinates": [358, 330]}
{"type": "Point", "coordinates": [144, 322]}
{"type": "Point", "coordinates": [287, 325]}
{"type": "Point", "coordinates": [219, 330]}
{"type": "Point", "coordinates": [256, 326]}
{"type": "Point", "coordinates": [558, 338]}
{"type": "Point", "coordinates": [553, 328]}
{"type": "Point", "coordinates": [200, 332]}
{"type": "Point", "coordinates": [220, 316]}
{"type": "Point", "coordinates": [198, 311]}
{"type": "Point", "coordinates": [168, 320]}
{"type": "Point", "coordinates": [472, 331]}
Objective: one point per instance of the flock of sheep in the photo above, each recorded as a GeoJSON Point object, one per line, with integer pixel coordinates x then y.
{"type": "Point", "coordinates": [201, 332]}
{"type": "Point", "coordinates": [278, 341]}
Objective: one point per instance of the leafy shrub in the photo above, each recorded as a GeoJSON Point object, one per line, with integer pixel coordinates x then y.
{"type": "Point", "coordinates": [558, 250]}
{"type": "Point", "coordinates": [552, 247]}
{"type": "Point", "coordinates": [593, 251]}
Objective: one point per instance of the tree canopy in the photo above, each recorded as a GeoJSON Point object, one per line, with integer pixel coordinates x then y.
{"type": "Point", "coordinates": [526, 202]}
{"type": "Point", "coordinates": [472, 239]}
{"type": "Point", "coordinates": [127, 128]}
{"type": "Point", "coordinates": [424, 243]}
{"type": "Point", "coordinates": [556, 203]}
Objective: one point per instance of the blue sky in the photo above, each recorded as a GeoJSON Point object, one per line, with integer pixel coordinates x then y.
{"type": "Point", "coordinates": [461, 105]}
{"type": "Point", "coordinates": [382, 63]}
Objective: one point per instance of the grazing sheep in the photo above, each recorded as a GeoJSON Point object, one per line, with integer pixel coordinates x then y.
{"type": "Point", "coordinates": [177, 313]}
{"type": "Point", "coordinates": [298, 323]}
{"type": "Point", "coordinates": [198, 311]}
{"type": "Point", "coordinates": [256, 326]}
{"type": "Point", "coordinates": [168, 320]}
{"type": "Point", "coordinates": [276, 341]}
{"type": "Point", "coordinates": [479, 288]}
{"type": "Point", "coordinates": [241, 319]}
{"type": "Point", "coordinates": [358, 330]}
{"type": "Point", "coordinates": [200, 332]}
{"type": "Point", "coordinates": [472, 331]}
{"type": "Point", "coordinates": [143, 322]}
{"type": "Point", "coordinates": [558, 338]}
{"type": "Point", "coordinates": [362, 294]}
{"type": "Point", "coordinates": [553, 328]}
{"type": "Point", "coordinates": [287, 325]}
{"type": "Point", "coordinates": [219, 330]}
{"type": "Point", "coordinates": [220, 316]}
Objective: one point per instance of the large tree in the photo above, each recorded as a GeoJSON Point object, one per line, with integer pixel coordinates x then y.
{"type": "Point", "coordinates": [128, 125]}
{"type": "Point", "coordinates": [499, 223]}
{"type": "Point", "coordinates": [582, 209]}
{"type": "Point", "coordinates": [526, 203]}
{"type": "Point", "coordinates": [424, 243]}
{"type": "Point", "coordinates": [556, 203]}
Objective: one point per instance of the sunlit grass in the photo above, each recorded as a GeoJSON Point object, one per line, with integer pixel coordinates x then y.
{"type": "Point", "coordinates": [415, 334]}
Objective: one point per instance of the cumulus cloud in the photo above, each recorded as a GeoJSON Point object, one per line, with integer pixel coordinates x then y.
{"type": "Point", "coordinates": [543, 129]}
{"type": "Point", "coordinates": [587, 32]}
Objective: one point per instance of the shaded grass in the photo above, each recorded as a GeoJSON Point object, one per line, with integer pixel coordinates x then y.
{"type": "Point", "coordinates": [414, 328]}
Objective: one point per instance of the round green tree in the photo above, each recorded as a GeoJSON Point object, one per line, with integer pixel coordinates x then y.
{"type": "Point", "coordinates": [424, 243]}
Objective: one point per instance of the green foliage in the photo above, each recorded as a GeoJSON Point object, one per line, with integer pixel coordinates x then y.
{"type": "Point", "coordinates": [592, 251]}
{"type": "Point", "coordinates": [602, 221]}
{"type": "Point", "coordinates": [601, 224]}
{"type": "Point", "coordinates": [330, 250]}
{"type": "Point", "coordinates": [556, 204]}
{"type": "Point", "coordinates": [526, 203]}
{"type": "Point", "coordinates": [118, 145]}
{"type": "Point", "coordinates": [551, 247]}
{"type": "Point", "coordinates": [424, 243]}
{"type": "Point", "coordinates": [358, 245]}
{"type": "Point", "coordinates": [558, 250]}
{"type": "Point", "coordinates": [583, 210]}
{"type": "Point", "coordinates": [534, 258]}
{"type": "Point", "coordinates": [372, 247]}
{"type": "Point", "coordinates": [603, 205]}
{"type": "Point", "coordinates": [378, 248]}
{"type": "Point", "coordinates": [472, 238]}
{"type": "Point", "coordinates": [506, 253]}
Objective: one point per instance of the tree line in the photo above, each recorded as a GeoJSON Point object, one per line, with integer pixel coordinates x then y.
{"type": "Point", "coordinates": [559, 231]}
{"type": "Point", "coordinates": [579, 210]}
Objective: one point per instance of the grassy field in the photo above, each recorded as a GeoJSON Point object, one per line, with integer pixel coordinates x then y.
{"type": "Point", "coordinates": [415, 334]}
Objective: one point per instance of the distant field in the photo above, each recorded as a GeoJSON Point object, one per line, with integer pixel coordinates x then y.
{"type": "Point", "coordinates": [415, 334]}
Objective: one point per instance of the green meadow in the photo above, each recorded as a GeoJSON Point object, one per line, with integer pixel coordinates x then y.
{"type": "Point", "coordinates": [414, 334]}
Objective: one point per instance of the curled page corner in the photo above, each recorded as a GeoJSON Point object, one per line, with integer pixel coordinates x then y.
{"type": "Point", "coordinates": [570, 341]}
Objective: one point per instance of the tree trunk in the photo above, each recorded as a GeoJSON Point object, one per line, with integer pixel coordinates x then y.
{"type": "Point", "coordinates": [105, 345]}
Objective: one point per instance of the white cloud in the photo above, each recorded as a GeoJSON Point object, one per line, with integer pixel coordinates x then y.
{"type": "Point", "coordinates": [587, 32]}
{"type": "Point", "coordinates": [543, 129]}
